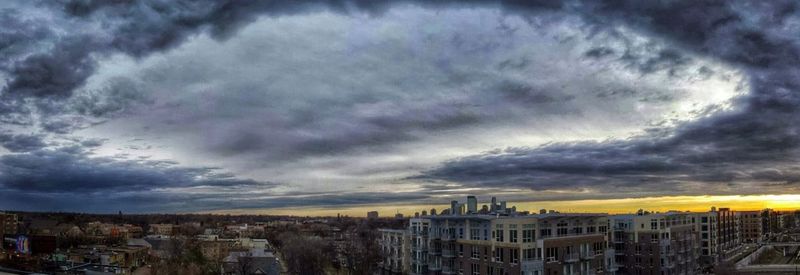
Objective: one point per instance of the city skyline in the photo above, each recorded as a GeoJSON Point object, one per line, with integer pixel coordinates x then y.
{"type": "Point", "coordinates": [328, 107]}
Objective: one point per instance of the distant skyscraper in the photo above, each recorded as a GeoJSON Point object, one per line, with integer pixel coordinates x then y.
{"type": "Point", "coordinates": [472, 204]}
{"type": "Point", "coordinates": [372, 214]}
{"type": "Point", "coordinates": [493, 206]}
{"type": "Point", "coordinates": [454, 207]}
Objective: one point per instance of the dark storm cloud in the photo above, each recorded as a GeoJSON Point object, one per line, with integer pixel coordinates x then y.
{"type": "Point", "coordinates": [155, 201]}
{"type": "Point", "coordinates": [139, 28]}
{"type": "Point", "coordinates": [757, 141]}
{"type": "Point", "coordinates": [71, 170]}
{"type": "Point", "coordinates": [21, 142]}
{"type": "Point", "coordinates": [726, 147]}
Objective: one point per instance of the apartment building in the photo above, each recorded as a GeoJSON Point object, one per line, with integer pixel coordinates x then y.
{"type": "Point", "coordinates": [655, 243]}
{"type": "Point", "coordinates": [8, 224]}
{"type": "Point", "coordinates": [550, 243]}
{"type": "Point", "coordinates": [396, 251]}
{"type": "Point", "coordinates": [769, 223]}
{"type": "Point", "coordinates": [706, 224]}
{"type": "Point", "coordinates": [728, 236]}
{"type": "Point", "coordinates": [749, 226]}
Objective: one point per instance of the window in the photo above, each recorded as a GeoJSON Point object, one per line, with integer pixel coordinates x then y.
{"type": "Point", "coordinates": [602, 229]}
{"type": "Point", "coordinates": [498, 235]}
{"type": "Point", "coordinates": [475, 252]}
{"type": "Point", "coordinates": [475, 234]}
{"type": "Point", "coordinates": [527, 235]}
{"type": "Point", "coordinates": [460, 250]}
{"type": "Point", "coordinates": [476, 269]}
{"type": "Point", "coordinates": [512, 235]}
{"type": "Point", "coordinates": [498, 255]}
{"type": "Point", "coordinates": [514, 255]}
{"type": "Point", "coordinates": [591, 230]}
{"type": "Point", "coordinates": [495, 270]}
{"type": "Point", "coordinates": [562, 229]}
{"type": "Point", "coordinates": [551, 254]}
{"type": "Point", "coordinates": [544, 233]}
{"type": "Point", "coordinates": [529, 253]}
{"type": "Point", "coordinates": [598, 247]}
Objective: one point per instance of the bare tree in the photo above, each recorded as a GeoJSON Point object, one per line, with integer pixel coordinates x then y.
{"type": "Point", "coordinates": [244, 264]}
{"type": "Point", "coordinates": [304, 255]}
{"type": "Point", "coordinates": [361, 250]}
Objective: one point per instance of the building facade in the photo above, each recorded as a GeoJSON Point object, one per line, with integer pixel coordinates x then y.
{"type": "Point", "coordinates": [749, 226]}
{"type": "Point", "coordinates": [551, 243]}
{"type": "Point", "coordinates": [396, 251]}
{"type": "Point", "coordinates": [655, 244]}
{"type": "Point", "coordinates": [706, 225]}
{"type": "Point", "coordinates": [8, 224]}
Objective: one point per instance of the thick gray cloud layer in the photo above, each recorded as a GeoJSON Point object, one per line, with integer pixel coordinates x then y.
{"type": "Point", "coordinates": [295, 92]}
{"type": "Point", "coordinates": [755, 147]}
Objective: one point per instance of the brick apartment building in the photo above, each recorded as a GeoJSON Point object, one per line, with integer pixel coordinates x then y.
{"type": "Point", "coordinates": [655, 244]}
{"type": "Point", "coordinates": [749, 226]}
{"type": "Point", "coordinates": [728, 226]}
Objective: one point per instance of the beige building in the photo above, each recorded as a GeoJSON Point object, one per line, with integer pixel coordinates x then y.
{"type": "Point", "coordinates": [162, 229]}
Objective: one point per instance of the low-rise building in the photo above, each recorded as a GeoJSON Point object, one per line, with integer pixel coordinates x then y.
{"type": "Point", "coordinates": [162, 229]}
{"type": "Point", "coordinates": [255, 261]}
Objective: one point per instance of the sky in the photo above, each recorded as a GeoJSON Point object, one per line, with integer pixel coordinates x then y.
{"type": "Point", "coordinates": [344, 106]}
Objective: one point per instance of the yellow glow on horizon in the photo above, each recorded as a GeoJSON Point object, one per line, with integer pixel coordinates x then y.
{"type": "Point", "coordinates": [611, 206]}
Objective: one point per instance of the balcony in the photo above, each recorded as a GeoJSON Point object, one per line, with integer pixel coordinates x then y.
{"type": "Point", "coordinates": [419, 233]}
{"type": "Point", "coordinates": [448, 253]}
{"type": "Point", "coordinates": [532, 265]}
{"type": "Point", "coordinates": [448, 270]}
{"type": "Point", "coordinates": [613, 267]}
{"type": "Point", "coordinates": [589, 255]}
{"type": "Point", "coordinates": [572, 257]}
